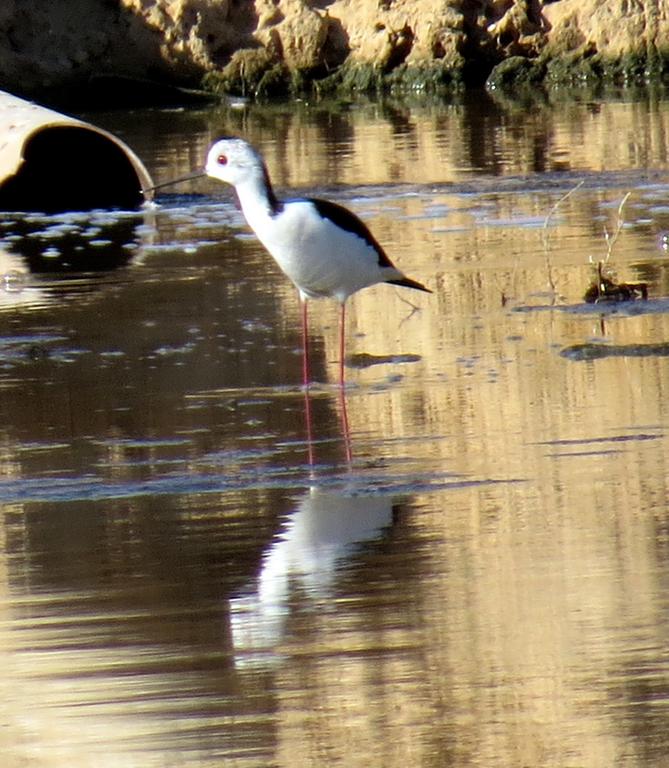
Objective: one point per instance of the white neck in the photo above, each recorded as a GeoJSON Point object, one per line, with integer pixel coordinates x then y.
{"type": "Point", "coordinates": [257, 198]}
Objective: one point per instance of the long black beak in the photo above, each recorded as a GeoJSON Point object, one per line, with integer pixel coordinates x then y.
{"type": "Point", "coordinates": [189, 177]}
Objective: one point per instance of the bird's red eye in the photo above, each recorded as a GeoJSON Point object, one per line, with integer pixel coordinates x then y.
{"type": "Point", "coordinates": [222, 160]}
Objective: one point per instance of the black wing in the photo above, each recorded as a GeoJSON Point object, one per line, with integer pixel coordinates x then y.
{"type": "Point", "coordinates": [348, 221]}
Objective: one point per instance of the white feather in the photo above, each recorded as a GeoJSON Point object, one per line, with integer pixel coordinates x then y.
{"type": "Point", "coordinates": [318, 256]}
{"type": "Point", "coordinates": [322, 258]}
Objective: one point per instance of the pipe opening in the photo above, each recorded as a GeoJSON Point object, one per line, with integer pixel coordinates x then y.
{"type": "Point", "coordinates": [69, 168]}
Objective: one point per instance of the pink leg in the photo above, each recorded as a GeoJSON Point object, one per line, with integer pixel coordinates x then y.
{"type": "Point", "coordinates": [346, 432]}
{"type": "Point", "coordinates": [342, 331]}
{"type": "Point", "coordinates": [342, 389]}
{"type": "Point", "coordinates": [305, 344]}
{"type": "Point", "coordinates": [307, 420]}
{"type": "Point", "coordinates": [305, 382]}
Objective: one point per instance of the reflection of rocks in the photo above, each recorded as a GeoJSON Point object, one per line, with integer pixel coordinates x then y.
{"type": "Point", "coordinates": [251, 44]}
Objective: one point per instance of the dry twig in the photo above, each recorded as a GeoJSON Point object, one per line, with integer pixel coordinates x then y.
{"type": "Point", "coordinates": [544, 234]}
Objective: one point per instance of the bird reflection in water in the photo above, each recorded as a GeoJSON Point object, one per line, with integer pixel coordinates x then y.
{"type": "Point", "coordinates": [316, 545]}
{"type": "Point", "coordinates": [330, 523]}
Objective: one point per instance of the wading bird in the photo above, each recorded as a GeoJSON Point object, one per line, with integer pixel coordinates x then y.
{"type": "Point", "coordinates": [324, 248]}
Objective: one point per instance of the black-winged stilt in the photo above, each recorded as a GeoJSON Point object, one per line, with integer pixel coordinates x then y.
{"type": "Point", "coordinates": [324, 248]}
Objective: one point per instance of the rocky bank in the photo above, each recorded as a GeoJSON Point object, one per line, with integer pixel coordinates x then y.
{"type": "Point", "coordinates": [256, 47]}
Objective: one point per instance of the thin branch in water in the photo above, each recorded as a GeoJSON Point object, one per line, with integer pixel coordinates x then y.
{"type": "Point", "coordinates": [544, 234]}
{"type": "Point", "coordinates": [620, 223]}
{"type": "Point", "coordinates": [605, 287]}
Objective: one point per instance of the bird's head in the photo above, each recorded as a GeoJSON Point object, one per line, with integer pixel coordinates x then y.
{"type": "Point", "coordinates": [233, 160]}
{"type": "Point", "coordinates": [229, 159]}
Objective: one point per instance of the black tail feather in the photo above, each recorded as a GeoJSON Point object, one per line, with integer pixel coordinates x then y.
{"type": "Point", "coordinates": [407, 282]}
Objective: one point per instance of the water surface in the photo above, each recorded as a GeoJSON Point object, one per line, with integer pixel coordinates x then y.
{"type": "Point", "coordinates": [189, 575]}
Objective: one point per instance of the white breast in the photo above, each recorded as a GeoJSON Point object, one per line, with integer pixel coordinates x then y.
{"type": "Point", "coordinates": [318, 256]}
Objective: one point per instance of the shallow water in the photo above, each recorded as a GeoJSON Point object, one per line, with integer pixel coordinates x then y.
{"type": "Point", "coordinates": [187, 579]}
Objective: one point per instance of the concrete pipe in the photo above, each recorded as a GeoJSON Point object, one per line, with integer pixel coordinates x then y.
{"type": "Point", "coordinates": [51, 162]}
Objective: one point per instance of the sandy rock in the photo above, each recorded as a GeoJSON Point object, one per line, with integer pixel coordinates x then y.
{"type": "Point", "coordinates": [613, 28]}
{"type": "Point", "coordinates": [55, 44]}
{"type": "Point", "coordinates": [193, 34]}
{"type": "Point", "coordinates": [46, 45]}
{"type": "Point", "coordinates": [613, 40]}
{"type": "Point", "coordinates": [293, 30]}
{"type": "Point", "coordinates": [389, 33]}
{"type": "Point", "coordinates": [520, 30]}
